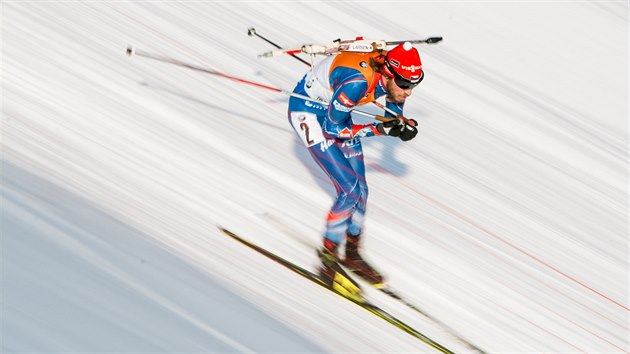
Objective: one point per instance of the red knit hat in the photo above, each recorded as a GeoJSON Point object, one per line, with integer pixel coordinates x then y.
{"type": "Point", "coordinates": [403, 64]}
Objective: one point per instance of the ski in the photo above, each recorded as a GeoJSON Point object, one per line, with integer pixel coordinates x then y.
{"type": "Point", "coordinates": [358, 299]}
{"type": "Point", "coordinates": [450, 332]}
{"type": "Point", "coordinates": [386, 289]}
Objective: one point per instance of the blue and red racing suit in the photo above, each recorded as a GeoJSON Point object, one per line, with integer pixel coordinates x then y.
{"type": "Point", "coordinates": [344, 80]}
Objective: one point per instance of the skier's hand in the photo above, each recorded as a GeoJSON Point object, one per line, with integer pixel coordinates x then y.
{"type": "Point", "coordinates": [392, 128]}
{"type": "Point", "coordinates": [409, 130]}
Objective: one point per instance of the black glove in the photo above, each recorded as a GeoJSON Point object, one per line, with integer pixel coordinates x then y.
{"type": "Point", "coordinates": [409, 130]}
{"type": "Point", "coordinates": [392, 128]}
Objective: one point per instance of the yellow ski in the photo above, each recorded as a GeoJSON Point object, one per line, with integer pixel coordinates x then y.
{"type": "Point", "coordinates": [355, 297]}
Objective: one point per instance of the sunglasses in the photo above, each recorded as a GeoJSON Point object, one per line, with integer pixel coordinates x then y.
{"type": "Point", "coordinates": [401, 81]}
{"type": "Point", "coordinates": [405, 84]}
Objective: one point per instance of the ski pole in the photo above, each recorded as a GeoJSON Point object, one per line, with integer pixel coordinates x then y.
{"type": "Point", "coordinates": [131, 51]}
{"type": "Point", "coordinates": [390, 111]}
{"type": "Point", "coordinates": [252, 31]}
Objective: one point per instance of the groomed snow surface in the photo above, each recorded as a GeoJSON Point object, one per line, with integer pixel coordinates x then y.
{"type": "Point", "coordinates": [506, 219]}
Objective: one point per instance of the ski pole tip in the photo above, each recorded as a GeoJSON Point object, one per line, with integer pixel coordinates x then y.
{"type": "Point", "coordinates": [434, 40]}
{"type": "Point", "coordinates": [130, 51]}
{"type": "Point", "coordinates": [251, 31]}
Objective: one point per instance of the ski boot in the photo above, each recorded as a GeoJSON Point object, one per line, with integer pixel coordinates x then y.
{"type": "Point", "coordinates": [358, 265]}
{"type": "Point", "coordinates": [333, 276]}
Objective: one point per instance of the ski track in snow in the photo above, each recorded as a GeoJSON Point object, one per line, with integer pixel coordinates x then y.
{"type": "Point", "coordinates": [507, 218]}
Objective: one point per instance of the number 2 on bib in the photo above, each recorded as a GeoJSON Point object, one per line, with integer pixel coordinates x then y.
{"type": "Point", "coordinates": [307, 127]}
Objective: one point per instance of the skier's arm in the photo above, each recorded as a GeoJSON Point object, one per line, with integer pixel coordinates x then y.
{"type": "Point", "coordinates": [338, 122]}
{"type": "Point", "coordinates": [396, 107]}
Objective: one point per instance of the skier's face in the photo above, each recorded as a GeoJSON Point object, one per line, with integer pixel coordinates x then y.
{"type": "Point", "coordinates": [396, 94]}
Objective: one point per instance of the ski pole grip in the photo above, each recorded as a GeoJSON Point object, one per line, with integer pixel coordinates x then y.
{"type": "Point", "coordinates": [385, 119]}
{"type": "Point", "coordinates": [389, 119]}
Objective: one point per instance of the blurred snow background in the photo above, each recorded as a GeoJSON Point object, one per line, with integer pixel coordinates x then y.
{"type": "Point", "coordinates": [507, 218]}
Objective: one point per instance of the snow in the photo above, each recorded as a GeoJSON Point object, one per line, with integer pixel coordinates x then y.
{"type": "Point", "coordinates": [506, 219]}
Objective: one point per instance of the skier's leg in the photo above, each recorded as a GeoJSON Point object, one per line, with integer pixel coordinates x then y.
{"type": "Point", "coordinates": [332, 161]}
{"type": "Point", "coordinates": [328, 155]}
{"type": "Point", "coordinates": [353, 150]}
{"type": "Point", "coordinates": [353, 260]}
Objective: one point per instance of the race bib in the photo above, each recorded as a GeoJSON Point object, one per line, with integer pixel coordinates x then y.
{"type": "Point", "coordinates": [307, 127]}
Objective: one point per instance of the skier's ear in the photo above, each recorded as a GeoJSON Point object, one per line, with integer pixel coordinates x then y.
{"type": "Point", "coordinates": [377, 62]}
{"type": "Point", "coordinates": [380, 58]}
